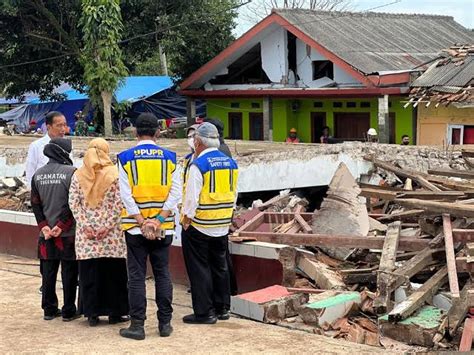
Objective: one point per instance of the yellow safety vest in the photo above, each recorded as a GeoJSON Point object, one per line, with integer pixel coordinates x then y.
{"type": "Point", "coordinates": [219, 191]}
{"type": "Point", "coordinates": [149, 169]}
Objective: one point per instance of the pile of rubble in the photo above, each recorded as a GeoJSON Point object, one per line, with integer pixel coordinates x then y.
{"type": "Point", "coordinates": [387, 259]}
{"type": "Point", "coordinates": [14, 195]}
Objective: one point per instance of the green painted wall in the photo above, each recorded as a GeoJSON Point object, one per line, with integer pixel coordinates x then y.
{"type": "Point", "coordinates": [284, 118]}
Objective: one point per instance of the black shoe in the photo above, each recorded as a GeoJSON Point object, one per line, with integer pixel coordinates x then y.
{"type": "Point", "coordinates": [118, 319]}
{"type": "Point", "coordinates": [165, 330]}
{"type": "Point", "coordinates": [93, 321]}
{"type": "Point", "coordinates": [223, 315]}
{"type": "Point", "coordinates": [135, 331]}
{"type": "Point", "coordinates": [193, 319]}
{"type": "Point", "coordinates": [52, 316]}
{"type": "Point", "coordinates": [71, 318]}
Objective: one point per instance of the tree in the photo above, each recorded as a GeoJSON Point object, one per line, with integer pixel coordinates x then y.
{"type": "Point", "coordinates": [104, 69]}
{"type": "Point", "coordinates": [46, 35]}
{"type": "Point", "coordinates": [258, 9]}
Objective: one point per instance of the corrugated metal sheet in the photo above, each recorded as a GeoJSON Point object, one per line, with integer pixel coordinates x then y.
{"type": "Point", "coordinates": [373, 42]}
{"type": "Point", "coordinates": [449, 74]}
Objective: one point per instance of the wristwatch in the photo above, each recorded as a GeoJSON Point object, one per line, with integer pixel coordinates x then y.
{"type": "Point", "coordinates": [160, 218]}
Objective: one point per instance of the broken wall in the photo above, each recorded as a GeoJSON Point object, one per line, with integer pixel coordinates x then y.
{"type": "Point", "coordinates": [274, 55]}
{"type": "Point", "coordinates": [300, 166]}
{"type": "Point", "coordinates": [305, 55]}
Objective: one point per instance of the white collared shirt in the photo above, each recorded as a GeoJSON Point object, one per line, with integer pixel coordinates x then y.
{"type": "Point", "coordinates": [129, 202]}
{"type": "Point", "coordinates": [194, 184]}
{"type": "Point", "coordinates": [36, 158]}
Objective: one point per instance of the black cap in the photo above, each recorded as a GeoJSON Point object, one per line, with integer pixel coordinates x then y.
{"type": "Point", "coordinates": [64, 143]}
{"type": "Point", "coordinates": [146, 120]}
{"type": "Point", "coordinates": [217, 123]}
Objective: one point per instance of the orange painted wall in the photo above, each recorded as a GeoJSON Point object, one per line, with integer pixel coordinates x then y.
{"type": "Point", "coordinates": [433, 122]}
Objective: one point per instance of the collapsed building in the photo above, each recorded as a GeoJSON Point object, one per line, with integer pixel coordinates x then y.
{"type": "Point", "coordinates": [367, 242]}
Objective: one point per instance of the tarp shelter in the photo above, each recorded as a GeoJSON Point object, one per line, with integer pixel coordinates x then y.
{"type": "Point", "coordinates": [146, 94]}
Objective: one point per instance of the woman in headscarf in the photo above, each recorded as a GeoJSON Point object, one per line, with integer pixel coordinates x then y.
{"type": "Point", "coordinates": [95, 201]}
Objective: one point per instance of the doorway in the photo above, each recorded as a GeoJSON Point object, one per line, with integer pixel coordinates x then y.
{"type": "Point", "coordinates": [351, 125]}
{"type": "Point", "coordinates": [256, 126]}
{"type": "Point", "coordinates": [235, 125]}
{"type": "Point", "coordinates": [318, 121]}
{"type": "Point", "coordinates": [393, 129]}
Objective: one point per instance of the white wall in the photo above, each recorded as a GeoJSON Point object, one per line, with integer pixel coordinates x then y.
{"type": "Point", "coordinates": [305, 68]}
{"type": "Point", "coordinates": [274, 55]}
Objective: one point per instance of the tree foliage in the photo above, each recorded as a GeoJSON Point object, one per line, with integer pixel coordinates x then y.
{"type": "Point", "coordinates": [101, 58]}
{"type": "Point", "coordinates": [191, 32]}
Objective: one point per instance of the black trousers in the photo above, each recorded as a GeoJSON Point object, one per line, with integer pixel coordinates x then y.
{"type": "Point", "coordinates": [103, 287]}
{"type": "Point", "coordinates": [69, 274]}
{"type": "Point", "coordinates": [138, 250]}
{"type": "Point", "coordinates": [206, 264]}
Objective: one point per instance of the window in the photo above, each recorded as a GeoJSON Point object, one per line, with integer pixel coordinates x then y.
{"type": "Point", "coordinates": [337, 104]}
{"type": "Point", "coordinates": [255, 105]}
{"type": "Point", "coordinates": [323, 68]}
{"type": "Point", "coordinates": [351, 104]}
{"type": "Point", "coordinates": [318, 104]}
{"type": "Point", "coordinates": [365, 104]}
{"type": "Point", "coordinates": [235, 104]}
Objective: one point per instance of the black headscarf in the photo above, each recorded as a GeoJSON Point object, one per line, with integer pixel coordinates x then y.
{"type": "Point", "coordinates": [58, 150]}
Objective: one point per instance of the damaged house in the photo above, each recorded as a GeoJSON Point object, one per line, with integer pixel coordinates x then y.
{"type": "Point", "coordinates": [444, 95]}
{"type": "Point", "coordinates": [309, 69]}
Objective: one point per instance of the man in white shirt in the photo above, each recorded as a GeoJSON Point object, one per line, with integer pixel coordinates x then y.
{"type": "Point", "coordinates": [208, 205]}
{"type": "Point", "coordinates": [56, 128]}
{"type": "Point", "coordinates": [150, 188]}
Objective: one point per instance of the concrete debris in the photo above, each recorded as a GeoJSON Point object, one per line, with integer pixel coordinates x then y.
{"type": "Point", "coordinates": [342, 203]}
{"type": "Point", "coordinates": [14, 195]}
{"type": "Point", "coordinates": [269, 305]}
{"type": "Point", "coordinates": [364, 278]}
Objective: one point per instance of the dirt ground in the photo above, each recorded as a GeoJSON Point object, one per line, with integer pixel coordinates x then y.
{"type": "Point", "coordinates": [22, 328]}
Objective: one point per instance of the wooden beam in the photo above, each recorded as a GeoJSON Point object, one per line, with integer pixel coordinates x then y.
{"type": "Point", "coordinates": [284, 217]}
{"type": "Point", "coordinates": [406, 308]}
{"type": "Point", "coordinates": [413, 266]}
{"type": "Point", "coordinates": [467, 153]}
{"type": "Point", "coordinates": [403, 173]}
{"type": "Point", "coordinates": [463, 265]}
{"type": "Point", "coordinates": [465, 174]}
{"type": "Point", "coordinates": [378, 193]}
{"type": "Point", "coordinates": [450, 256]}
{"type": "Point", "coordinates": [467, 335]}
{"type": "Point", "coordinates": [432, 195]}
{"type": "Point", "coordinates": [251, 225]}
{"type": "Point", "coordinates": [306, 227]}
{"type": "Point", "coordinates": [272, 201]}
{"type": "Point", "coordinates": [322, 275]}
{"type": "Point", "coordinates": [379, 187]}
{"type": "Point", "coordinates": [401, 215]}
{"type": "Point", "coordinates": [463, 235]}
{"type": "Point", "coordinates": [455, 209]}
{"type": "Point", "coordinates": [382, 303]}
{"type": "Point", "coordinates": [456, 314]}
{"type": "Point", "coordinates": [405, 244]}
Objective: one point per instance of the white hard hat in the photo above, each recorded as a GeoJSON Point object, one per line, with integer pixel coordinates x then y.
{"type": "Point", "coordinates": [372, 132]}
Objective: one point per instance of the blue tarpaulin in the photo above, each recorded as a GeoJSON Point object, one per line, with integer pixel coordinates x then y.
{"type": "Point", "coordinates": [134, 89]}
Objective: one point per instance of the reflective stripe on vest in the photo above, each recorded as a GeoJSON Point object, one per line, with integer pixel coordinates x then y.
{"type": "Point", "coordinates": [218, 194]}
{"type": "Point", "coordinates": [149, 169]}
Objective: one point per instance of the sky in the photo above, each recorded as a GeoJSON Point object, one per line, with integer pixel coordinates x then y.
{"type": "Point", "coordinates": [461, 10]}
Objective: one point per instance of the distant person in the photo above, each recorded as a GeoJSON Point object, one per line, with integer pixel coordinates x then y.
{"type": "Point", "coordinates": [324, 139]}
{"type": "Point", "coordinates": [293, 137]}
{"type": "Point", "coordinates": [405, 139]}
{"type": "Point", "coordinates": [81, 127]}
{"type": "Point", "coordinates": [101, 251]}
{"type": "Point", "coordinates": [372, 136]}
{"type": "Point", "coordinates": [49, 201]}
{"type": "Point", "coordinates": [223, 147]}
{"type": "Point", "coordinates": [56, 128]}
